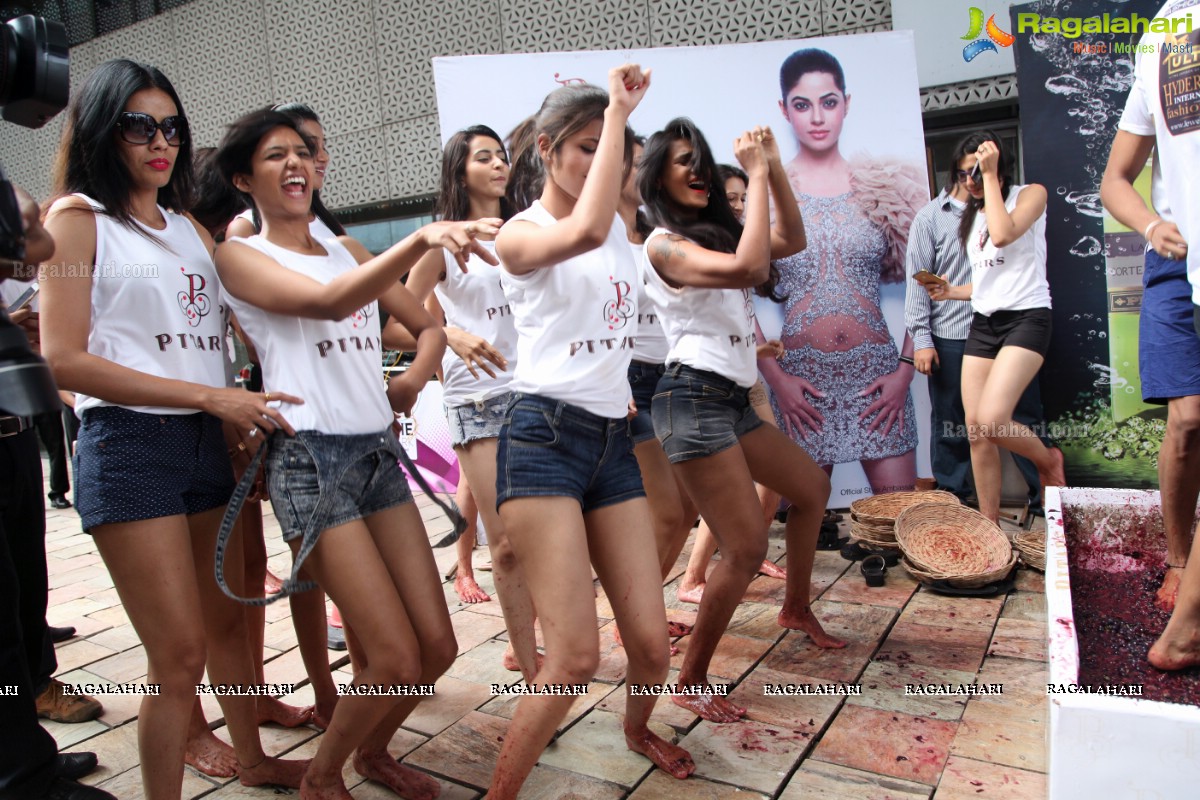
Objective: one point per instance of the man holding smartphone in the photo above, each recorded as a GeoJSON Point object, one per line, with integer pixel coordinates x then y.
{"type": "Point", "coordinates": [939, 333]}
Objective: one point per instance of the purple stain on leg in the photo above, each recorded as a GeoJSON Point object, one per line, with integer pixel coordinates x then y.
{"type": "Point", "coordinates": [975, 48]}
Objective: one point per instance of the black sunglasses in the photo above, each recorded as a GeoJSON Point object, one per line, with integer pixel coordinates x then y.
{"type": "Point", "coordinates": [138, 128]}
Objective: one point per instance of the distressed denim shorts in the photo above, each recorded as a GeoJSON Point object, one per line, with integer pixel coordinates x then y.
{"type": "Point", "coordinates": [474, 421]}
{"type": "Point", "coordinates": [699, 413]}
{"type": "Point", "coordinates": [130, 466]}
{"type": "Point", "coordinates": [318, 481]}
{"type": "Point", "coordinates": [643, 381]}
{"type": "Point", "coordinates": [549, 448]}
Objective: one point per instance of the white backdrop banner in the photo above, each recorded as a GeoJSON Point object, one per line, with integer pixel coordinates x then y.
{"type": "Point", "coordinates": [727, 89]}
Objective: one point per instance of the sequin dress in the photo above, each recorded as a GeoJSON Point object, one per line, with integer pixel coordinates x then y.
{"type": "Point", "coordinates": [834, 333]}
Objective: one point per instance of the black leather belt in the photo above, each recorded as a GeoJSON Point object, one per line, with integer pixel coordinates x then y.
{"type": "Point", "coordinates": [11, 426]}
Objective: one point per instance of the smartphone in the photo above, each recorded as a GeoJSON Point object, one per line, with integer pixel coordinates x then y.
{"type": "Point", "coordinates": [26, 297]}
{"type": "Point", "coordinates": [977, 175]}
{"type": "Point", "coordinates": [927, 278]}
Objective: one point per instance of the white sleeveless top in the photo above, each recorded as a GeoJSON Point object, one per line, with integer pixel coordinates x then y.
{"type": "Point", "coordinates": [1010, 278]}
{"type": "Point", "coordinates": [316, 229]}
{"type": "Point", "coordinates": [651, 346]}
{"type": "Point", "coordinates": [709, 329]}
{"type": "Point", "coordinates": [335, 367]}
{"type": "Point", "coordinates": [474, 301]}
{"type": "Point", "coordinates": [576, 322]}
{"type": "Point", "coordinates": [156, 308]}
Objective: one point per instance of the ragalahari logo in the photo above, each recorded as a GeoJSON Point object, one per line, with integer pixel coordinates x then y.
{"type": "Point", "coordinates": [995, 36]}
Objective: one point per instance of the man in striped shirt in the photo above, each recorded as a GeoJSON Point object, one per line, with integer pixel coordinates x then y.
{"type": "Point", "coordinates": [939, 333]}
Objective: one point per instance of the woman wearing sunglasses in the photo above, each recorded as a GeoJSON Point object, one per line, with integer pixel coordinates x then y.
{"type": "Point", "coordinates": [133, 326]}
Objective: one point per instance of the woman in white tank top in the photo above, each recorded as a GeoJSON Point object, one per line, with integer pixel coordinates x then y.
{"type": "Point", "coordinates": [567, 482]}
{"type": "Point", "coordinates": [336, 486]}
{"type": "Point", "coordinates": [131, 310]}
{"type": "Point", "coordinates": [476, 372]}
{"type": "Point", "coordinates": [704, 264]}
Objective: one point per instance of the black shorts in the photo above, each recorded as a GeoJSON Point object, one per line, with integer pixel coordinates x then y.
{"type": "Point", "coordinates": [1029, 328]}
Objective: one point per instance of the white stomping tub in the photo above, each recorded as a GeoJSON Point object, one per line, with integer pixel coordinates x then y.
{"type": "Point", "coordinates": [1108, 747]}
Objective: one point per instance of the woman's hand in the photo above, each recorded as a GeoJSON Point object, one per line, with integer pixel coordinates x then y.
{"type": "Point", "coordinates": [241, 449]}
{"type": "Point", "coordinates": [1167, 241]}
{"type": "Point", "coordinates": [772, 348]}
{"type": "Point", "coordinates": [475, 351]}
{"type": "Point", "coordinates": [799, 415]}
{"type": "Point", "coordinates": [944, 291]}
{"type": "Point", "coordinates": [459, 238]}
{"type": "Point", "coordinates": [989, 158]}
{"type": "Point", "coordinates": [402, 391]}
{"type": "Point", "coordinates": [627, 85]}
{"type": "Point", "coordinates": [888, 407]}
{"type": "Point", "coordinates": [249, 413]}
{"type": "Point", "coordinates": [749, 152]}
{"type": "Point", "coordinates": [770, 145]}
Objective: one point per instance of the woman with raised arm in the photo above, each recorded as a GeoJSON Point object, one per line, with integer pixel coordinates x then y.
{"type": "Point", "coordinates": [1010, 332]}
{"type": "Point", "coordinates": [477, 368]}
{"type": "Point", "coordinates": [704, 267]}
{"type": "Point", "coordinates": [309, 306]}
{"type": "Point", "coordinates": [132, 308]}
{"type": "Point", "coordinates": [568, 484]}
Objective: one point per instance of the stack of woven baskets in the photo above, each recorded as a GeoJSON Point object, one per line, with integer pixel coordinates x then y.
{"type": "Point", "coordinates": [873, 519]}
{"type": "Point", "coordinates": [1032, 547]}
{"type": "Point", "coordinates": [954, 544]}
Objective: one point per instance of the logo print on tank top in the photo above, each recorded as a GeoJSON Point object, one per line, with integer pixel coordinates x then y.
{"type": "Point", "coordinates": [618, 312]}
{"type": "Point", "coordinates": [359, 319]}
{"type": "Point", "coordinates": [194, 302]}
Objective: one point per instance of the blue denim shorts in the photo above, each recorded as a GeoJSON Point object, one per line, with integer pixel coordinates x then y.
{"type": "Point", "coordinates": [474, 421]}
{"type": "Point", "coordinates": [643, 380]}
{"type": "Point", "coordinates": [318, 481]}
{"type": "Point", "coordinates": [131, 466]}
{"type": "Point", "coordinates": [699, 413]}
{"type": "Point", "coordinates": [549, 448]}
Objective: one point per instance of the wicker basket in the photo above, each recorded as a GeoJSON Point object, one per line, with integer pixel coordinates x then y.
{"type": "Point", "coordinates": [1032, 547]}
{"type": "Point", "coordinates": [872, 534]}
{"type": "Point", "coordinates": [969, 582]}
{"type": "Point", "coordinates": [953, 542]}
{"type": "Point", "coordinates": [883, 509]}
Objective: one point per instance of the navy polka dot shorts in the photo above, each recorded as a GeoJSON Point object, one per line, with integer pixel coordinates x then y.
{"type": "Point", "coordinates": [132, 466]}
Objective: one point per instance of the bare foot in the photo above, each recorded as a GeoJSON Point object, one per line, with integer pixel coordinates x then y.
{"type": "Point", "coordinates": [271, 709]}
{"type": "Point", "coordinates": [468, 590]}
{"type": "Point", "coordinates": [512, 665]}
{"type": "Point", "coordinates": [333, 791]}
{"type": "Point", "coordinates": [272, 584]}
{"type": "Point", "coordinates": [321, 717]}
{"type": "Point", "coordinates": [210, 755]}
{"type": "Point", "coordinates": [772, 570]}
{"type": "Point", "coordinates": [677, 629]}
{"type": "Point", "coordinates": [805, 620]}
{"type": "Point", "coordinates": [690, 594]}
{"type": "Point", "coordinates": [672, 759]}
{"type": "Point", "coordinates": [1055, 476]}
{"type": "Point", "coordinates": [275, 772]}
{"type": "Point", "coordinates": [711, 707]}
{"type": "Point", "coordinates": [1169, 591]}
{"type": "Point", "coordinates": [404, 781]}
{"type": "Point", "coordinates": [1175, 653]}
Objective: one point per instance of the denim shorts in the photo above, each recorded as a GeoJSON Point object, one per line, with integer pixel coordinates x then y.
{"type": "Point", "coordinates": [699, 413]}
{"type": "Point", "coordinates": [318, 481]}
{"type": "Point", "coordinates": [131, 466]}
{"type": "Point", "coordinates": [474, 421]}
{"type": "Point", "coordinates": [549, 448]}
{"type": "Point", "coordinates": [643, 381]}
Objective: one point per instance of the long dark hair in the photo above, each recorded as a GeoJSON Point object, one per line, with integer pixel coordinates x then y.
{"type": "Point", "coordinates": [302, 113]}
{"type": "Point", "coordinates": [88, 160]}
{"type": "Point", "coordinates": [564, 112]}
{"type": "Point", "coordinates": [453, 201]}
{"type": "Point", "coordinates": [966, 147]}
{"type": "Point", "coordinates": [810, 59]}
{"type": "Point", "coordinates": [235, 153]}
{"type": "Point", "coordinates": [715, 227]}
{"type": "Point", "coordinates": [217, 202]}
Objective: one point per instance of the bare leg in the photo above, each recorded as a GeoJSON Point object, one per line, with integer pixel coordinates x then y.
{"type": "Point", "coordinates": [692, 584]}
{"type": "Point", "coordinates": [671, 514]}
{"type": "Point", "coordinates": [206, 752]}
{"type": "Point", "coordinates": [464, 573]}
{"type": "Point", "coordinates": [308, 619]}
{"type": "Point", "coordinates": [625, 563]}
{"type": "Point", "coordinates": [985, 459]}
{"type": "Point", "coordinates": [478, 461]}
{"type": "Point", "coordinates": [1179, 645]}
{"type": "Point", "coordinates": [1179, 480]}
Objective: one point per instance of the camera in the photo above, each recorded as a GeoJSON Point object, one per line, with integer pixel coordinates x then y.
{"type": "Point", "coordinates": [34, 86]}
{"type": "Point", "coordinates": [34, 80]}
